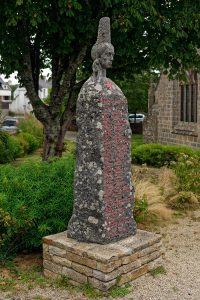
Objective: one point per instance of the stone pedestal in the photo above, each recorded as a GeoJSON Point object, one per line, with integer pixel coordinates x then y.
{"type": "Point", "coordinates": [103, 266]}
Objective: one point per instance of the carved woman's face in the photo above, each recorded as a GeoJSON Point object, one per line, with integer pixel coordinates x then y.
{"type": "Point", "coordinates": [106, 57]}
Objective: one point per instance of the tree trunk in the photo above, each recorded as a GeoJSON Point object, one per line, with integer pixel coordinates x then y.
{"type": "Point", "coordinates": [54, 136]}
{"type": "Point", "coordinates": [51, 136]}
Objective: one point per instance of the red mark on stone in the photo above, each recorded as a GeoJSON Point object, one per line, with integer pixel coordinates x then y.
{"type": "Point", "coordinates": [108, 84]}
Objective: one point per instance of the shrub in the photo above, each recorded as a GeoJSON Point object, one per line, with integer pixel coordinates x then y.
{"type": "Point", "coordinates": [183, 200]}
{"type": "Point", "coordinates": [9, 148]}
{"type": "Point", "coordinates": [187, 169]}
{"type": "Point", "coordinates": [32, 126]}
{"type": "Point", "coordinates": [158, 155]}
{"type": "Point", "coordinates": [29, 142]}
{"type": "Point", "coordinates": [36, 200]}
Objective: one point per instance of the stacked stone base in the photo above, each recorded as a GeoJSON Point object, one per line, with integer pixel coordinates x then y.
{"type": "Point", "coordinates": [103, 266]}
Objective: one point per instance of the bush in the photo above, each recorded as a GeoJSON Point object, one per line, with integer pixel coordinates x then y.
{"type": "Point", "coordinates": [187, 169]}
{"type": "Point", "coordinates": [36, 199]}
{"type": "Point", "coordinates": [12, 147]}
{"type": "Point", "coordinates": [9, 148]}
{"type": "Point", "coordinates": [29, 142]}
{"type": "Point", "coordinates": [32, 126]}
{"type": "Point", "coordinates": [183, 200]}
{"type": "Point", "coordinates": [158, 155]}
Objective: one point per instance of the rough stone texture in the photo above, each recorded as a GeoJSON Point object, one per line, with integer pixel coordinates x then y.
{"type": "Point", "coordinates": [102, 265]}
{"type": "Point", "coordinates": [163, 124]}
{"type": "Point", "coordinates": [103, 190]}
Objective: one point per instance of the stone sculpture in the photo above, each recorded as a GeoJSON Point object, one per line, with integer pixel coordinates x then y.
{"type": "Point", "coordinates": [103, 191]}
{"type": "Point", "coordinates": [103, 205]}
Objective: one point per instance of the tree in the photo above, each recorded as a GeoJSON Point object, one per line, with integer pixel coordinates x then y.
{"type": "Point", "coordinates": [59, 34]}
{"type": "Point", "coordinates": [135, 88]}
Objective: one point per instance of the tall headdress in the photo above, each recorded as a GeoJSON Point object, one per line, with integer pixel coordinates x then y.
{"type": "Point", "coordinates": [103, 38]}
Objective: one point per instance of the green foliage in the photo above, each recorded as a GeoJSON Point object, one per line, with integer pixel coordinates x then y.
{"type": "Point", "coordinates": [12, 147]}
{"type": "Point", "coordinates": [158, 271]}
{"type": "Point", "coordinates": [32, 276]}
{"type": "Point", "coordinates": [136, 140]}
{"type": "Point", "coordinates": [62, 282]}
{"type": "Point", "coordinates": [184, 200]}
{"type": "Point", "coordinates": [140, 210]}
{"type": "Point", "coordinates": [9, 148]}
{"type": "Point", "coordinates": [88, 290]}
{"type": "Point", "coordinates": [135, 88]}
{"type": "Point", "coordinates": [36, 201]}
{"type": "Point", "coordinates": [117, 291]}
{"type": "Point", "coordinates": [158, 155]}
{"type": "Point", "coordinates": [187, 169]}
{"type": "Point", "coordinates": [29, 141]}
{"type": "Point", "coordinates": [147, 35]}
{"type": "Point", "coordinates": [32, 126]}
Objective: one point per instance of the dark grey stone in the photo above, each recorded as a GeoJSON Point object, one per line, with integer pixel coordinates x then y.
{"type": "Point", "coordinates": [103, 190]}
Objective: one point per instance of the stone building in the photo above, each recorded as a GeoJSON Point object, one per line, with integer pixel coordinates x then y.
{"type": "Point", "coordinates": [174, 112]}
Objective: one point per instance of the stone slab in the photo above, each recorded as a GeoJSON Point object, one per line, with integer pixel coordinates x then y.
{"type": "Point", "coordinates": [104, 253]}
{"type": "Point", "coordinates": [103, 266]}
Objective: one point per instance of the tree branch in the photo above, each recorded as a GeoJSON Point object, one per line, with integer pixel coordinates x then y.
{"type": "Point", "coordinates": [40, 109]}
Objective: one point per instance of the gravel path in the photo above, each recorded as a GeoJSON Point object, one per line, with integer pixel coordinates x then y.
{"type": "Point", "coordinates": [181, 242]}
{"type": "Point", "coordinates": [182, 264]}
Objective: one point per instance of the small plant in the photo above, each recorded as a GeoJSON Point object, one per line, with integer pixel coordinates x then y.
{"type": "Point", "coordinates": [62, 282]}
{"type": "Point", "coordinates": [7, 284]}
{"type": "Point", "coordinates": [140, 210]}
{"type": "Point", "coordinates": [187, 170]}
{"type": "Point", "coordinates": [183, 200]}
{"type": "Point", "coordinates": [117, 291]}
{"type": "Point", "coordinates": [157, 271]}
{"type": "Point", "coordinates": [88, 290]}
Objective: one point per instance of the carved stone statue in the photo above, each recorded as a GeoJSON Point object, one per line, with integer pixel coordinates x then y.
{"type": "Point", "coordinates": [103, 204]}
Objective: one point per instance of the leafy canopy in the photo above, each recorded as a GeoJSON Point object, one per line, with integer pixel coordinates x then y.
{"type": "Point", "coordinates": [145, 33]}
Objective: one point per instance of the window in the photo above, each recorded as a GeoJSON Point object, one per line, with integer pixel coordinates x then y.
{"type": "Point", "coordinates": [188, 103]}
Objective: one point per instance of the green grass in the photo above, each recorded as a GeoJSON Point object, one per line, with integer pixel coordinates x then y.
{"type": "Point", "coordinates": [136, 140]}
{"type": "Point", "coordinates": [32, 277]}
{"type": "Point", "coordinates": [117, 291]}
{"type": "Point", "coordinates": [88, 290]}
{"type": "Point", "coordinates": [158, 271]}
{"type": "Point", "coordinates": [69, 147]}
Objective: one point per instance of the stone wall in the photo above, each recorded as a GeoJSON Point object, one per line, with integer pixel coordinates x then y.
{"type": "Point", "coordinates": [103, 266]}
{"type": "Point", "coordinates": [163, 123]}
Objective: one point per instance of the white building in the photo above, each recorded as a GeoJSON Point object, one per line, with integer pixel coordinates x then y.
{"type": "Point", "coordinates": [21, 103]}
{"type": "Point", "coordinates": [5, 98]}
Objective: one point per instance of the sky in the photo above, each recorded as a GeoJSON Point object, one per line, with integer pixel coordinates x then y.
{"type": "Point", "coordinates": [11, 77]}
{"type": "Point", "coordinates": [15, 81]}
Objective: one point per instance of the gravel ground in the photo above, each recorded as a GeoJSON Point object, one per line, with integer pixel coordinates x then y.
{"type": "Point", "coordinates": [181, 261]}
